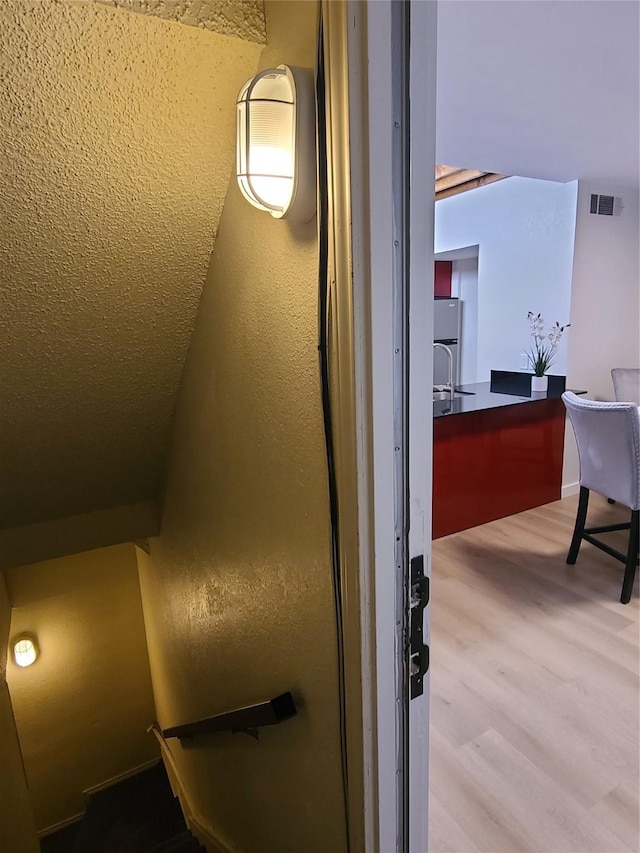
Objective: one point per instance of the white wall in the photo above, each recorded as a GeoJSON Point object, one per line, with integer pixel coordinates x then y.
{"type": "Point", "coordinates": [525, 232]}
{"type": "Point", "coordinates": [464, 285]}
{"type": "Point", "coordinates": [605, 307]}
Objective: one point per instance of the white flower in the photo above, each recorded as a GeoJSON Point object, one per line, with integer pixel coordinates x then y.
{"type": "Point", "coordinates": [541, 355]}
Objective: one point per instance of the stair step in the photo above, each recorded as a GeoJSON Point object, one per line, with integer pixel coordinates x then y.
{"type": "Point", "coordinates": [182, 843]}
{"type": "Point", "coordinates": [131, 817]}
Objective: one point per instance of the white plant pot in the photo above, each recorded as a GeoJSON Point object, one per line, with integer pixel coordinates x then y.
{"type": "Point", "coordinates": [539, 383]}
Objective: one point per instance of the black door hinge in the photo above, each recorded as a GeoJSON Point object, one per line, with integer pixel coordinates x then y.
{"type": "Point", "coordinates": [418, 651]}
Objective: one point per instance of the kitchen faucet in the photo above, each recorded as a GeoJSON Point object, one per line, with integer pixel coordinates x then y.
{"type": "Point", "coordinates": [449, 385]}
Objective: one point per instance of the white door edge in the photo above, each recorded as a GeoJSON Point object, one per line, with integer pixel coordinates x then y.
{"type": "Point", "coordinates": [374, 254]}
{"type": "Point", "coordinates": [422, 92]}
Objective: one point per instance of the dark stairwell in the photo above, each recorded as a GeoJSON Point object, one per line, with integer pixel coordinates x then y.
{"type": "Point", "coordinates": [138, 815]}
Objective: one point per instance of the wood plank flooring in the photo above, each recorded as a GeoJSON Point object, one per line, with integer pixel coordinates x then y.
{"type": "Point", "coordinates": [534, 690]}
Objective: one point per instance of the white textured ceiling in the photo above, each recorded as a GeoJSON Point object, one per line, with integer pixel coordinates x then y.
{"type": "Point", "coordinates": [117, 133]}
{"type": "Point", "coordinates": [546, 89]}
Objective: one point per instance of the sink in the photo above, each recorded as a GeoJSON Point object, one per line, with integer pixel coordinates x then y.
{"type": "Point", "coordinates": [447, 395]}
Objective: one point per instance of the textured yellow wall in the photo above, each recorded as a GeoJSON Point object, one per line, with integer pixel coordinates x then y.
{"type": "Point", "coordinates": [117, 139]}
{"type": "Point", "coordinates": [17, 824]}
{"type": "Point", "coordinates": [82, 709]}
{"type": "Point", "coordinates": [237, 594]}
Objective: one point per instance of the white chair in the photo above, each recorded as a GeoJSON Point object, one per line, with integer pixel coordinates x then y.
{"type": "Point", "coordinates": [626, 384]}
{"type": "Point", "coordinates": [608, 439]}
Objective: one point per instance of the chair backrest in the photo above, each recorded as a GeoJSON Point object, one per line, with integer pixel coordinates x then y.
{"type": "Point", "coordinates": [608, 439]}
{"type": "Point", "coordinates": [626, 384]}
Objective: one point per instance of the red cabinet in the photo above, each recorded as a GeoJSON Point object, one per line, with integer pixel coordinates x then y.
{"type": "Point", "coordinates": [442, 278]}
{"type": "Point", "coordinates": [496, 462]}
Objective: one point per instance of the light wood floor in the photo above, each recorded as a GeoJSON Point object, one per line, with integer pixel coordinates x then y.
{"type": "Point", "coordinates": [534, 690]}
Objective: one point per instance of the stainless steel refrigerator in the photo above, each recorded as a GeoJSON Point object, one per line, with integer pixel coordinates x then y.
{"type": "Point", "coordinates": [446, 330]}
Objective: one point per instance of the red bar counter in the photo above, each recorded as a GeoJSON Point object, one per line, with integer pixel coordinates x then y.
{"type": "Point", "coordinates": [494, 455]}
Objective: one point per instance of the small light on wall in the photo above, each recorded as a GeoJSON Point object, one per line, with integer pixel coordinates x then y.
{"type": "Point", "coordinates": [25, 650]}
{"type": "Point", "coordinates": [275, 147]}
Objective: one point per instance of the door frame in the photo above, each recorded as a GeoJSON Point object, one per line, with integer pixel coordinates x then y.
{"type": "Point", "coordinates": [364, 245]}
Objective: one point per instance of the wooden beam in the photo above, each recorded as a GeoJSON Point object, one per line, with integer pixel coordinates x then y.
{"type": "Point", "coordinates": [482, 179]}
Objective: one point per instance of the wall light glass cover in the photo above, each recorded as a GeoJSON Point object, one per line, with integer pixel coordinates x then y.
{"type": "Point", "coordinates": [25, 650]}
{"type": "Point", "coordinates": [275, 149]}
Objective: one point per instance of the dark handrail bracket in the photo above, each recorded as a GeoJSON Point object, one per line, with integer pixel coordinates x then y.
{"type": "Point", "coordinates": [241, 720]}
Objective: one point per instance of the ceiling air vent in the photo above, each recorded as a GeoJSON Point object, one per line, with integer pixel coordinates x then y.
{"type": "Point", "coordinates": [605, 205]}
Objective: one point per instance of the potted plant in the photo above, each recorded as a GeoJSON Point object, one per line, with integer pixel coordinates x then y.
{"type": "Point", "coordinates": [543, 351]}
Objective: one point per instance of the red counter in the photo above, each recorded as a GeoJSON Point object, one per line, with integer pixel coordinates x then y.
{"type": "Point", "coordinates": [493, 463]}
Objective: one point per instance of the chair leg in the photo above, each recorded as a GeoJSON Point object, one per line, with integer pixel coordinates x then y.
{"type": "Point", "coordinates": [578, 530]}
{"type": "Point", "coordinates": [632, 558]}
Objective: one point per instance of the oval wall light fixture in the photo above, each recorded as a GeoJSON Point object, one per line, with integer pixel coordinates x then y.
{"type": "Point", "coordinates": [276, 142]}
{"type": "Point", "coordinates": [25, 650]}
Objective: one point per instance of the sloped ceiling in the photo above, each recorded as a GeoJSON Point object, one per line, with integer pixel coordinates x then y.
{"type": "Point", "coordinates": [117, 133]}
{"type": "Point", "coordinates": [545, 90]}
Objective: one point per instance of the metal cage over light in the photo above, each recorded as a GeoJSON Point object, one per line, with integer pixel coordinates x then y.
{"type": "Point", "coordinates": [25, 649]}
{"type": "Point", "coordinates": [275, 152]}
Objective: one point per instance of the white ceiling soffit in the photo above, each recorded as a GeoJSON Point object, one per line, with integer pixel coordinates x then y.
{"type": "Point", "coordinates": [240, 18]}
{"type": "Point", "coordinates": [117, 137]}
{"type": "Point", "coordinates": [540, 89]}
